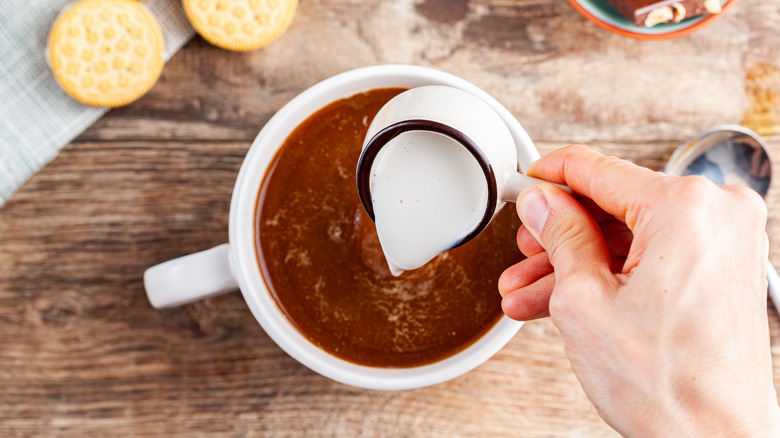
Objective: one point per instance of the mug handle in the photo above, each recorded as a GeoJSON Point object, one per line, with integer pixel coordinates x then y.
{"type": "Point", "coordinates": [190, 278]}
{"type": "Point", "coordinates": [515, 182]}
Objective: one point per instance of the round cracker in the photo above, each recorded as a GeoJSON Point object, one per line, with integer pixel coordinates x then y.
{"type": "Point", "coordinates": [106, 53]}
{"type": "Point", "coordinates": [240, 25]}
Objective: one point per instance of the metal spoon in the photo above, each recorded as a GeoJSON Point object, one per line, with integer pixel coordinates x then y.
{"type": "Point", "coordinates": [729, 154]}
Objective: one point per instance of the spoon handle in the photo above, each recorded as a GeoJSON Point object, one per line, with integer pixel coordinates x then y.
{"type": "Point", "coordinates": [774, 284]}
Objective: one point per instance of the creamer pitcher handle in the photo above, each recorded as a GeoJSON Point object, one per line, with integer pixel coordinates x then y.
{"type": "Point", "coordinates": [190, 278]}
{"type": "Point", "coordinates": [515, 182]}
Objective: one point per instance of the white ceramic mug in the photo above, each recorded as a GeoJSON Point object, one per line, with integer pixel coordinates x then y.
{"type": "Point", "coordinates": [228, 266]}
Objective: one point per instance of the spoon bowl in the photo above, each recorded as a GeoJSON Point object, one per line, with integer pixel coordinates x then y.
{"type": "Point", "coordinates": [729, 154]}
{"type": "Point", "coordinates": [725, 154]}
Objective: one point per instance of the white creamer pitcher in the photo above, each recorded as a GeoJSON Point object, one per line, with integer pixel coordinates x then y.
{"type": "Point", "coordinates": [437, 165]}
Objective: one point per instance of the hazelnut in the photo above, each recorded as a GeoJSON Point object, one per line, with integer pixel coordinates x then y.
{"type": "Point", "coordinates": [712, 6]}
{"type": "Point", "coordinates": [663, 14]}
{"type": "Point", "coordinates": [679, 12]}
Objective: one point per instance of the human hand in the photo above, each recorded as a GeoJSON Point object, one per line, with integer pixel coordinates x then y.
{"type": "Point", "coordinates": [658, 291]}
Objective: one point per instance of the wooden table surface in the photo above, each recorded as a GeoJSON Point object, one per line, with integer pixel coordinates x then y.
{"type": "Point", "coordinates": [82, 353]}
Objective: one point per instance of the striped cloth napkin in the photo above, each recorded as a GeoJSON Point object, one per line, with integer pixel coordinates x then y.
{"type": "Point", "coordinates": [37, 118]}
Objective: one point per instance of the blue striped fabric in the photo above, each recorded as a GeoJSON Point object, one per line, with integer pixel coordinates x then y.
{"type": "Point", "coordinates": [37, 118]}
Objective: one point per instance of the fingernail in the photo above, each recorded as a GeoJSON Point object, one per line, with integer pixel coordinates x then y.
{"type": "Point", "coordinates": [533, 209]}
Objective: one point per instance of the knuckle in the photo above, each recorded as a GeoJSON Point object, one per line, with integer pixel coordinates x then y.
{"type": "Point", "coordinates": [699, 203]}
{"type": "Point", "coordinates": [695, 188]}
{"type": "Point", "coordinates": [748, 200]}
{"type": "Point", "coordinates": [694, 198]}
{"type": "Point", "coordinates": [573, 294]}
{"type": "Point", "coordinates": [576, 148]}
{"type": "Point", "coordinates": [561, 235]}
{"type": "Point", "coordinates": [559, 304]}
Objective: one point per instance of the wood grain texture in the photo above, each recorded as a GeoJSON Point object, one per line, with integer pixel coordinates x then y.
{"type": "Point", "coordinates": [83, 354]}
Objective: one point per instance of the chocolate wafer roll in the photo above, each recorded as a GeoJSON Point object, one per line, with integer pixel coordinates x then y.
{"type": "Point", "coordinates": [648, 13]}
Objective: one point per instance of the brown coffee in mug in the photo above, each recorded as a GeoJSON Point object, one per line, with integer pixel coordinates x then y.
{"type": "Point", "coordinates": [321, 259]}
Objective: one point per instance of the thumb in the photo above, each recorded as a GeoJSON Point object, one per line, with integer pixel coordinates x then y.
{"type": "Point", "coordinates": [569, 234]}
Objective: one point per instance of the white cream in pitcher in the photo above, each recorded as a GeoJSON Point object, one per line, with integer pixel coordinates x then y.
{"type": "Point", "coordinates": [428, 193]}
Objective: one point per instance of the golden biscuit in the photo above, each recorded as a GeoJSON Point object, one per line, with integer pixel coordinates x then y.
{"type": "Point", "coordinates": [106, 53]}
{"type": "Point", "coordinates": [240, 25]}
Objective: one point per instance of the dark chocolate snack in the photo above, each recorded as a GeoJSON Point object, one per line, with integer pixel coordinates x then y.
{"type": "Point", "coordinates": [648, 13]}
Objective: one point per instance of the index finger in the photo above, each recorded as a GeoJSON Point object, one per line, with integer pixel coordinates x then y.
{"type": "Point", "coordinates": [614, 184]}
